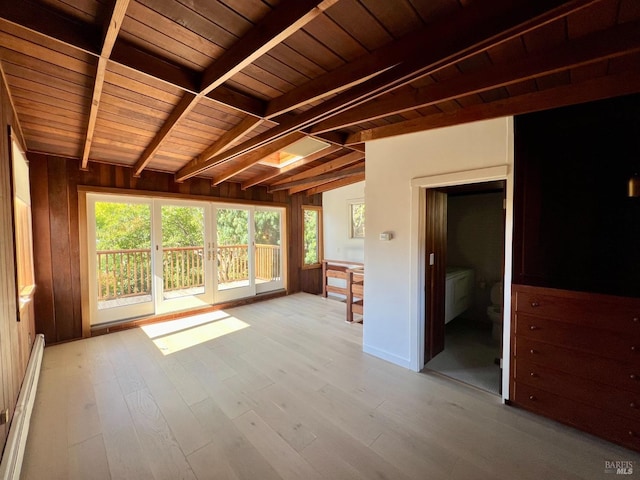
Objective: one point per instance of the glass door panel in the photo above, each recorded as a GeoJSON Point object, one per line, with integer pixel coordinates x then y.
{"type": "Point", "coordinates": [268, 249]}
{"type": "Point", "coordinates": [151, 256]}
{"type": "Point", "coordinates": [120, 259]}
{"type": "Point", "coordinates": [184, 276]}
{"type": "Point", "coordinates": [234, 258]}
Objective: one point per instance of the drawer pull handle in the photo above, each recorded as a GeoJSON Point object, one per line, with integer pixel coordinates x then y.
{"type": "Point", "coordinates": [535, 304]}
{"type": "Point", "coordinates": [633, 405]}
{"type": "Point", "coordinates": [533, 327]}
{"type": "Point", "coordinates": [633, 376]}
{"type": "Point", "coordinates": [532, 397]}
{"type": "Point", "coordinates": [636, 319]}
{"type": "Point", "coordinates": [532, 351]}
{"type": "Point", "coordinates": [634, 348]}
{"type": "Point", "coordinates": [632, 433]}
{"type": "Point", "coordinates": [533, 374]}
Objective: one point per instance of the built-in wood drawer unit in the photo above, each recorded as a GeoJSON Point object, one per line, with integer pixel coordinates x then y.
{"type": "Point", "coordinates": [604, 343]}
{"type": "Point", "coordinates": [600, 422]}
{"type": "Point", "coordinates": [590, 367]}
{"type": "Point", "coordinates": [600, 395]}
{"type": "Point", "coordinates": [576, 359]}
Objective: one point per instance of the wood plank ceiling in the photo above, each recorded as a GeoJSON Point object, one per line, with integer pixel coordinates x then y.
{"type": "Point", "coordinates": [222, 88]}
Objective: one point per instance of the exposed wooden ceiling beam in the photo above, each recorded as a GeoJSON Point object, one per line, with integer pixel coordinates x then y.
{"type": "Point", "coordinates": [319, 183]}
{"type": "Point", "coordinates": [111, 30]}
{"type": "Point", "coordinates": [247, 125]}
{"type": "Point", "coordinates": [590, 90]}
{"type": "Point", "coordinates": [181, 110]}
{"type": "Point", "coordinates": [51, 23]}
{"type": "Point", "coordinates": [352, 73]}
{"type": "Point", "coordinates": [240, 101]}
{"type": "Point", "coordinates": [285, 19]}
{"type": "Point", "coordinates": [276, 172]}
{"type": "Point", "coordinates": [474, 30]}
{"type": "Point", "coordinates": [335, 81]}
{"type": "Point", "coordinates": [112, 26]}
{"type": "Point", "coordinates": [137, 59]}
{"type": "Point", "coordinates": [602, 45]}
{"type": "Point", "coordinates": [56, 26]}
{"type": "Point", "coordinates": [335, 184]}
{"type": "Point", "coordinates": [319, 179]}
{"type": "Point", "coordinates": [340, 162]}
{"type": "Point", "coordinates": [101, 68]}
{"type": "Point", "coordinates": [288, 17]}
{"type": "Point", "coordinates": [247, 161]}
{"type": "Point", "coordinates": [226, 140]}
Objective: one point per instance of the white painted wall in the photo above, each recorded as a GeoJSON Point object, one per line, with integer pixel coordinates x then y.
{"type": "Point", "coordinates": [335, 210]}
{"type": "Point", "coordinates": [398, 170]}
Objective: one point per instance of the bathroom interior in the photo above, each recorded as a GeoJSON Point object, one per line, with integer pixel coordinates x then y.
{"type": "Point", "coordinates": [474, 290]}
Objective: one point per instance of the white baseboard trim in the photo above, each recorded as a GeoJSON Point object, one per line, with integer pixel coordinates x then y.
{"type": "Point", "coordinates": [11, 465]}
{"type": "Point", "coordinates": [389, 357]}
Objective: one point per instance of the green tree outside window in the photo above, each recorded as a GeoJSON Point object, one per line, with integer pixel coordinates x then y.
{"type": "Point", "coordinates": [356, 220]}
{"type": "Point", "coordinates": [312, 236]}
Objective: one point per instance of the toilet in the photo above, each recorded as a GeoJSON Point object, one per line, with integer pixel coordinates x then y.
{"type": "Point", "coordinates": [494, 311]}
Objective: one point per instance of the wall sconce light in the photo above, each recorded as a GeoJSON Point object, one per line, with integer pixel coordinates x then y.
{"type": "Point", "coordinates": [634, 185]}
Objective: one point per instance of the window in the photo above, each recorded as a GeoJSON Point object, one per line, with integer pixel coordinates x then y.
{"type": "Point", "coordinates": [312, 241]}
{"type": "Point", "coordinates": [356, 219]}
{"type": "Point", "coordinates": [22, 225]}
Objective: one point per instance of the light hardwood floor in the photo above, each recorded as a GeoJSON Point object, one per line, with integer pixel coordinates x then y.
{"type": "Point", "coordinates": [289, 396]}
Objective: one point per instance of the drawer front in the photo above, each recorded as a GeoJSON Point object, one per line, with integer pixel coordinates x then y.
{"type": "Point", "coordinates": [592, 393]}
{"type": "Point", "coordinates": [618, 346]}
{"type": "Point", "coordinates": [618, 315]}
{"type": "Point", "coordinates": [622, 375]}
{"type": "Point", "coordinates": [615, 428]}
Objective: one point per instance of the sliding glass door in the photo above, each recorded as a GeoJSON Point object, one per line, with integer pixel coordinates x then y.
{"type": "Point", "coordinates": [184, 273]}
{"type": "Point", "coordinates": [268, 249]}
{"type": "Point", "coordinates": [122, 268]}
{"type": "Point", "coordinates": [148, 256]}
{"type": "Point", "coordinates": [234, 257]}
{"type": "Point", "coordinates": [249, 255]}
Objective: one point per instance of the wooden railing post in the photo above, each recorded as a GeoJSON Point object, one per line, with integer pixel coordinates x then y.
{"type": "Point", "coordinates": [324, 278]}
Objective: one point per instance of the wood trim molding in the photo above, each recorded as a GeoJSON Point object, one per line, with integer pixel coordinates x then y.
{"type": "Point", "coordinates": [603, 45]}
{"type": "Point", "coordinates": [15, 446]}
{"type": "Point", "coordinates": [178, 196]}
{"type": "Point", "coordinates": [477, 175]}
{"type": "Point", "coordinates": [85, 308]}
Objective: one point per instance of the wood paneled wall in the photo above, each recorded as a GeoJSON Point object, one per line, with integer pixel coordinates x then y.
{"type": "Point", "coordinates": [16, 338]}
{"type": "Point", "coordinates": [575, 228]}
{"type": "Point", "coordinates": [54, 187]}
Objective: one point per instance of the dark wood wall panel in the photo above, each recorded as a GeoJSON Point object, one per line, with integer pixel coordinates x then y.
{"type": "Point", "coordinates": [63, 301]}
{"type": "Point", "coordinates": [45, 318]}
{"type": "Point", "coordinates": [309, 279]}
{"type": "Point", "coordinates": [54, 183]}
{"type": "Point", "coordinates": [575, 228]}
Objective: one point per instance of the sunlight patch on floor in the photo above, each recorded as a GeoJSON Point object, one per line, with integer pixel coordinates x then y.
{"type": "Point", "coordinates": [176, 335]}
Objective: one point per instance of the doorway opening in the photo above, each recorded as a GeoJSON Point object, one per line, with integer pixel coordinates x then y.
{"type": "Point", "coordinates": [465, 278]}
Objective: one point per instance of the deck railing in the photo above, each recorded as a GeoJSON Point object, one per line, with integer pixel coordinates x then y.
{"type": "Point", "coordinates": [125, 273]}
{"type": "Point", "coordinates": [182, 267]}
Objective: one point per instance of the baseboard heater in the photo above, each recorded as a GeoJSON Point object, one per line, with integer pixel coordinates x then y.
{"type": "Point", "coordinates": [11, 465]}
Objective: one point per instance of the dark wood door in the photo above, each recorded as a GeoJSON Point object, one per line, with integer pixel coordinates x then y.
{"type": "Point", "coordinates": [436, 271]}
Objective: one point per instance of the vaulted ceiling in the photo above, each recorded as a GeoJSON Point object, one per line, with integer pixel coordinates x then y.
{"type": "Point", "coordinates": [231, 89]}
